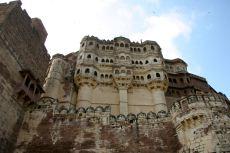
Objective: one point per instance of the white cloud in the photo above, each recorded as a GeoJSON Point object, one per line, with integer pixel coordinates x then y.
{"type": "Point", "coordinates": [67, 22]}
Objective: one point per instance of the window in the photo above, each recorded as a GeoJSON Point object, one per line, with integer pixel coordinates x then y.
{"type": "Point", "coordinates": [102, 75]}
{"type": "Point", "coordinates": [111, 61]}
{"type": "Point", "coordinates": [134, 49]}
{"type": "Point", "coordinates": [89, 56]}
{"type": "Point", "coordinates": [131, 49]}
{"type": "Point", "coordinates": [103, 47]}
{"type": "Point", "coordinates": [128, 72]}
{"type": "Point", "coordinates": [121, 45]}
{"type": "Point", "coordinates": [111, 48]}
{"type": "Point", "coordinates": [170, 80]}
{"type": "Point", "coordinates": [90, 43]}
{"type": "Point", "coordinates": [154, 60]}
{"type": "Point", "coordinates": [174, 81]}
{"type": "Point", "coordinates": [80, 57]}
{"type": "Point", "coordinates": [83, 44]}
{"type": "Point", "coordinates": [87, 70]}
{"type": "Point", "coordinates": [122, 58]}
{"type": "Point", "coordinates": [102, 60]}
{"type": "Point", "coordinates": [95, 73]}
{"type": "Point", "coordinates": [144, 49]}
{"type": "Point", "coordinates": [107, 47]}
{"type": "Point", "coordinates": [127, 58]}
{"type": "Point", "coordinates": [146, 62]}
{"type": "Point", "coordinates": [126, 45]}
{"type": "Point", "coordinates": [116, 71]}
{"type": "Point", "coordinates": [139, 50]}
{"type": "Point", "coordinates": [152, 47]}
{"type": "Point", "coordinates": [106, 76]}
{"type": "Point", "coordinates": [148, 76]}
{"type": "Point", "coordinates": [158, 75]}
{"type": "Point", "coordinates": [78, 71]}
{"type": "Point", "coordinates": [188, 80]}
{"type": "Point", "coordinates": [110, 76]}
{"type": "Point", "coordinates": [96, 59]}
{"type": "Point", "coordinates": [122, 71]}
{"type": "Point", "coordinates": [142, 78]}
{"type": "Point", "coordinates": [132, 62]}
{"type": "Point", "coordinates": [97, 46]}
{"type": "Point", "coordinates": [116, 44]}
{"type": "Point", "coordinates": [27, 81]}
{"type": "Point", "coordinates": [107, 60]}
{"type": "Point", "coordinates": [141, 62]}
{"type": "Point", "coordinates": [181, 80]}
{"type": "Point", "coordinates": [136, 62]}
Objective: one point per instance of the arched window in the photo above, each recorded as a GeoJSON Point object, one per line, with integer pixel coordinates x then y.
{"type": "Point", "coordinates": [144, 49]}
{"type": "Point", "coordinates": [102, 76]}
{"type": "Point", "coordinates": [127, 58]}
{"type": "Point", "coordinates": [148, 76]}
{"type": "Point", "coordinates": [132, 62]}
{"type": "Point", "coordinates": [158, 75]}
{"type": "Point", "coordinates": [107, 47]}
{"type": "Point", "coordinates": [126, 45]}
{"type": "Point", "coordinates": [80, 57]}
{"type": "Point", "coordinates": [95, 73]}
{"type": "Point", "coordinates": [116, 71]}
{"type": "Point", "coordinates": [131, 49]}
{"type": "Point", "coordinates": [111, 61]}
{"type": "Point", "coordinates": [107, 60]}
{"type": "Point", "coordinates": [134, 77]}
{"type": "Point", "coordinates": [142, 78]}
{"type": "Point", "coordinates": [141, 62]}
{"type": "Point", "coordinates": [90, 43]}
{"type": "Point", "coordinates": [106, 76]}
{"type": "Point", "coordinates": [96, 59]}
{"type": "Point", "coordinates": [110, 76]}
{"type": "Point", "coordinates": [111, 48]}
{"type": "Point", "coordinates": [136, 62]}
{"type": "Point", "coordinates": [134, 49]}
{"type": "Point", "coordinates": [97, 46]}
{"type": "Point", "coordinates": [170, 80]}
{"type": "Point", "coordinates": [89, 56]}
{"type": "Point", "coordinates": [121, 45]}
{"type": "Point", "coordinates": [87, 70]}
{"type": "Point", "coordinates": [78, 71]}
{"type": "Point", "coordinates": [146, 62]}
{"type": "Point", "coordinates": [83, 44]}
{"type": "Point", "coordinates": [152, 47]}
{"type": "Point", "coordinates": [103, 60]}
{"type": "Point", "coordinates": [154, 60]}
{"type": "Point", "coordinates": [181, 80]}
{"type": "Point", "coordinates": [139, 50]}
{"type": "Point", "coordinates": [122, 57]}
{"type": "Point", "coordinates": [116, 44]}
{"type": "Point", "coordinates": [137, 77]}
{"type": "Point", "coordinates": [174, 81]}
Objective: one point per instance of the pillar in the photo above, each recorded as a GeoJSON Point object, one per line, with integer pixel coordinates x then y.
{"type": "Point", "coordinates": [123, 97]}
{"type": "Point", "coordinates": [159, 101]}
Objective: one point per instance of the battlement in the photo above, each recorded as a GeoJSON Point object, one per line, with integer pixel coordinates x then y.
{"type": "Point", "coordinates": [198, 102]}
{"type": "Point", "coordinates": [63, 113]}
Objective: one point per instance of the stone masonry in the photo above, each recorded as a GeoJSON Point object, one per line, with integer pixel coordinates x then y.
{"type": "Point", "coordinates": [110, 96]}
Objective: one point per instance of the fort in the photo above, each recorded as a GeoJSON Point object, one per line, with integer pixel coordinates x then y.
{"type": "Point", "coordinates": [110, 96]}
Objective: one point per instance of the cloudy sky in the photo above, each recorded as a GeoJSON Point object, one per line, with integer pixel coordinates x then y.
{"type": "Point", "coordinates": [197, 31]}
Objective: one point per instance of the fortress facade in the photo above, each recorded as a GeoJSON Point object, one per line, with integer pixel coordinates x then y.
{"type": "Point", "coordinates": [109, 96]}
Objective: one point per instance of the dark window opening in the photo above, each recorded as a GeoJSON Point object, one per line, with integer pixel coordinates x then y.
{"type": "Point", "coordinates": [148, 76]}
{"type": "Point", "coordinates": [158, 75]}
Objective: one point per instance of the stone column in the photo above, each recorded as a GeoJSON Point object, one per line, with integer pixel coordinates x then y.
{"type": "Point", "coordinates": [159, 101]}
{"type": "Point", "coordinates": [84, 95]}
{"type": "Point", "coordinates": [123, 97]}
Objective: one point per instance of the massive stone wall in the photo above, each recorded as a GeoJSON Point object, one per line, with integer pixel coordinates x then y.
{"type": "Point", "coordinates": [20, 48]}
{"type": "Point", "coordinates": [90, 130]}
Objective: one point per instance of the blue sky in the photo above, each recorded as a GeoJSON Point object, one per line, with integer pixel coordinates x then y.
{"type": "Point", "coordinates": [196, 31]}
